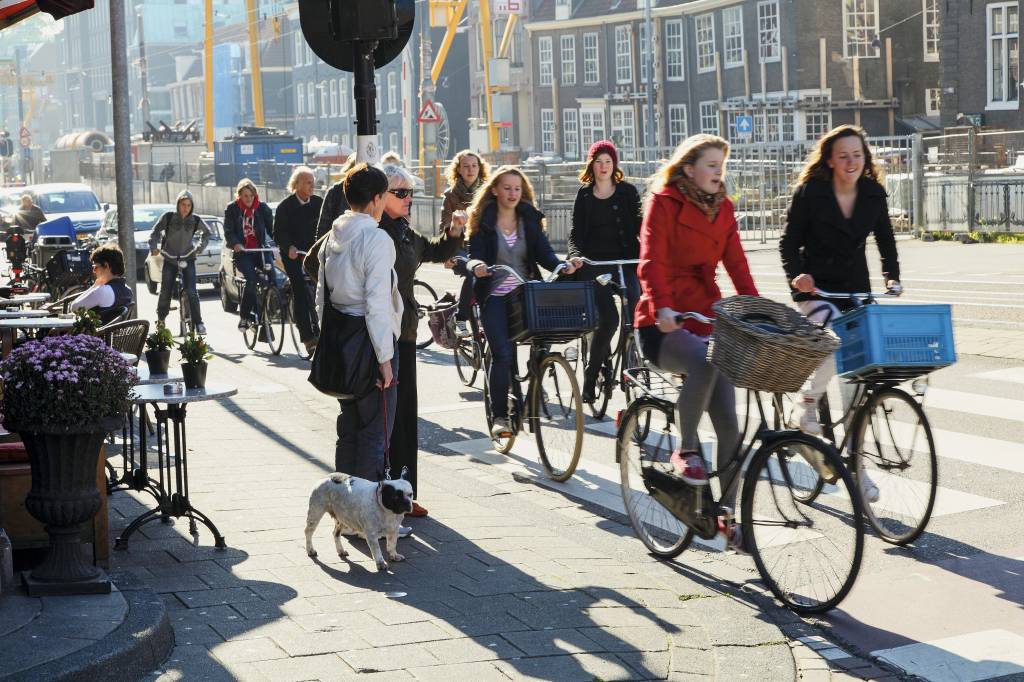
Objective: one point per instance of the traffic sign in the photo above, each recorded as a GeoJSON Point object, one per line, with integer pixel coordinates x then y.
{"type": "Point", "coordinates": [26, 137]}
{"type": "Point", "coordinates": [428, 114]}
{"type": "Point", "coordinates": [744, 125]}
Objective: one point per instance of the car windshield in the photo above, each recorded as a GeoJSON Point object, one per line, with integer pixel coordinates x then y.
{"type": "Point", "coordinates": [68, 202]}
{"type": "Point", "coordinates": [145, 218]}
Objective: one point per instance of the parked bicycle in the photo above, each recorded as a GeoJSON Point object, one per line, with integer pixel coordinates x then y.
{"type": "Point", "coordinates": [270, 312]}
{"type": "Point", "coordinates": [807, 552]}
{"type": "Point", "coordinates": [882, 434]}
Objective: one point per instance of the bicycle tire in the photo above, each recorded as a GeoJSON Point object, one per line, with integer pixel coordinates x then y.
{"type": "Point", "coordinates": [811, 483]}
{"type": "Point", "coordinates": [839, 530]}
{"type": "Point", "coordinates": [631, 359]}
{"type": "Point", "coordinates": [467, 360]}
{"type": "Point", "coordinates": [502, 445]}
{"type": "Point", "coordinates": [422, 292]}
{"type": "Point", "coordinates": [557, 419]}
{"type": "Point", "coordinates": [250, 335]}
{"type": "Point", "coordinates": [663, 534]}
{"type": "Point", "coordinates": [873, 455]}
{"type": "Point", "coordinates": [293, 331]}
{"type": "Point", "coordinates": [185, 324]}
{"type": "Point", "coordinates": [273, 319]}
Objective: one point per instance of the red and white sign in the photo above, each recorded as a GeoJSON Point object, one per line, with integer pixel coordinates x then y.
{"type": "Point", "coordinates": [26, 137]}
{"type": "Point", "coordinates": [428, 114]}
{"type": "Point", "coordinates": [506, 7]}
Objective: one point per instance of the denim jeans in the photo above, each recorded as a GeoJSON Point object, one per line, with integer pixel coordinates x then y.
{"type": "Point", "coordinates": [249, 264]}
{"type": "Point", "coordinates": [168, 275]}
{"type": "Point", "coordinates": [495, 319]}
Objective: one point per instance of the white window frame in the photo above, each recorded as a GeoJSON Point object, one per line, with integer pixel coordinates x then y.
{"type": "Point", "coordinates": [1009, 96]}
{"type": "Point", "coordinates": [592, 126]}
{"type": "Point", "coordinates": [299, 43]}
{"type": "Point", "coordinates": [624, 127]}
{"type": "Point", "coordinates": [678, 124]}
{"type": "Point", "coordinates": [300, 99]}
{"type": "Point", "coordinates": [309, 55]}
{"type": "Point", "coordinates": [392, 80]}
{"type": "Point", "coordinates": [819, 127]}
{"type": "Point", "coordinates": [591, 59]}
{"type": "Point", "coordinates": [310, 98]}
{"type": "Point", "coordinates": [769, 42]}
{"type": "Point", "coordinates": [860, 17]}
{"type": "Point", "coordinates": [570, 134]}
{"type": "Point", "coordinates": [393, 142]}
{"type": "Point", "coordinates": [642, 56]}
{"type": "Point", "coordinates": [704, 27]}
{"type": "Point", "coordinates": [732, 36]}
{"type": "Point", "coordinates": [545, 56]}
{"type": "Point", "coordinates": [324, 94]}
{"type": "Point", "coordinates": [623, 54]}
{"type": "Point", "coordinates": [567, 53]}
{"type": "Point", "coordinates": [932, 96]}
{"type": "Point", "coordinates": [675, 64]}
{"type": "Point", "coordinates": [930, 28]}
{"type": "Point", "coordinates": [333, 85]}
{"type": "Point", "coordinates": [643, 125]}
{"type": "Point", "coordinates": [547, 131]}
{"type": "Point", "coordinates": [709, 120]}
{"type": "Point", "coordinates": [342, 97]}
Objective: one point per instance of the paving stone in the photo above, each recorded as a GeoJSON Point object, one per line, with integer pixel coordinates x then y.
{"type": "Point", "coordinates": [477, 672]}
{"type": "Point", "coordinates": [212, 597]}
{"type": "Point", "coordinates": [648, 664]}
{"type": "Point", "coordinates": [194, 663]}
{"type": "Point", "coordinates": [471, 649]}
{"type": "Point", "coordinates": [552, 642]}
{"type": "Point", "coordinates": [581, 667]}
{"type": "Point", "coordinates": [328, 622]}
{"type": "Point", "coordinates": [388, 658]}
{"type": "Point", "coordinates": [407, 633]}
{"type": "Point", "coordinates": [693, 661]}
{"type": "Point", "coordinates": [772, 662]}
{"type": "Point", "coordinates": [248, 650]}
{"type": "Point", "coordinates": [310, 643]}
{"type": "Point", "coordinates": [632, 639]}
{"type": "Point", "coordinates": [324, 667]}
{"type": "Point", "coordinates": [197, 634]}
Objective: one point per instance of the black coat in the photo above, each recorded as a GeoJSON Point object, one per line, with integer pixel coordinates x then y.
{"type": "Point", "coordinates": [820, 242]}
{"type": "Point", "coordinates": [483, 246]}
{"type": "Point", "coordinates": [262, 222]}
{"type": "Point", "coordinates": [334, 205]}
{"type": "Point", "coordinates": [295, 223]}
{"type": "Point", "coordinates": [625, 203]}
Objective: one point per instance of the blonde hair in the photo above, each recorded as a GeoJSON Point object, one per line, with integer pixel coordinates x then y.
{"type": "Point", "coordinates": [246, 183]}
{"type": "Point", "coordinates": [299, 171]}
{"type": "Point", "coordinates": [817, 168]}
{"type": "Point", "coordinates": [485, 197]}
{"type": "Point", "coordinates": [392, 158]}
{"type": "Point", "coordinates": [688, 153]}
{"type": "Point", "coordinates": [398, 174]}
{"type": "Point", "coordinates": [452, 174]}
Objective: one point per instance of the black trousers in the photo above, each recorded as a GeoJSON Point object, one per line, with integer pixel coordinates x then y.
{"type": "Point", "coordinates": [300, 294]}
{"type": "Point", "coordinates": [608, 315]}
{"type": "Point", "coordinates": [405, 436]}
{"type": "Point", "coordinates": [363, 429]}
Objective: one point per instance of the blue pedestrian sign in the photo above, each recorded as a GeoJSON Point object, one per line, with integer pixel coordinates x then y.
{"type": "Point", "coordinates": [744, 126]}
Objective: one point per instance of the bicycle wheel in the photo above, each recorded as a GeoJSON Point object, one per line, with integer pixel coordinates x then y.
{"type": "Point", "coordinates": [631, 360]}
{"type": "Point", "coordinates": [184, 313]}
{"type": "Point", "coordinates": [502, 445]}
{"type": "Point", "coordinates": [425, 297]}
{"type": "Point", "coordinates": [894, 449]}
{"type": "Point", "coordinates": [807, 483]}
{"type": "Point", "coordinates": [808, 554]}
{"type": "Point", "coordinates": [557, 411]}
{"type": "Point", "coordinates": [662, 533]}
{"type": "Point", "coordinates": [250, 335]}
{"type": "Point", "coordinates": [293, 329]}
{"type": "Point", "coordinates": [467, 360]}
{"type": "Point", "coordinates": [602, 391]}
{"type": "Point", "coordinates": [273, 320]}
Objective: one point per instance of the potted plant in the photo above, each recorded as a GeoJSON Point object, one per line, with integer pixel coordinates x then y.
{"type": "Point", "coordinates": [86, 322]}
{"type": "Point", "coordinates": [194, 354]}
{"type": "Point", "coordinates": [158, 350]}
{"type": "Point", "coordinates": [62, 395]}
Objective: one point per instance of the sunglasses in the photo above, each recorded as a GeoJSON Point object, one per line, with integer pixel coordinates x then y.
{"type": "Point", "coordinates": [401, 193]}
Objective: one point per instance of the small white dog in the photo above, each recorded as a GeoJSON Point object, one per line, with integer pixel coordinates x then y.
{"type": "Point", "coordinates": [372, 510]}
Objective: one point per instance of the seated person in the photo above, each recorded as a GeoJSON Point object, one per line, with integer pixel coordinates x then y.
{"type": "Point", "coordinates": [109, 294]}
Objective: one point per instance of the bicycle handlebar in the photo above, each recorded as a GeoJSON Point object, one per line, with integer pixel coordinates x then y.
{"type": "Point", "coordinates": [891, 291]}
{"type": "Point", "coordinates": [694, 316]}
{"type": "Point", "coordinates": [182, 261]}
{"type": "Point", "coordinates": [609, 262]}
{"type": "Point", "coordinates": [496, 268]}
{"type": "Point", "coordinates": [244, 250]}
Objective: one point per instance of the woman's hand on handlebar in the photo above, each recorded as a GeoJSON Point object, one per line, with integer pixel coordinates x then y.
{"type": "Point", "coordinates": [803, 283]}
{"type": "Point", "coordinates": [293, 253]}
{"type": "Point", "coordinates": [237, 248]}
{"type": "Point", "coordinates": [481, 271]}
{"type": "Point", "coordinates": [667, 320]}
{"type": "Point", "coordinates": [572, 265]}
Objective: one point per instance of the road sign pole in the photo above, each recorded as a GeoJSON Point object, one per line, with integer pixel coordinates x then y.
{"type": "Point", "coordinates": [366, 102]}
{"type": "Point", "coordinates": [21, 111]}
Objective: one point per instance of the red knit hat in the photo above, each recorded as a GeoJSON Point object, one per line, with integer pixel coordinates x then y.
{"type": "Point", "coordinates": [604, 147]}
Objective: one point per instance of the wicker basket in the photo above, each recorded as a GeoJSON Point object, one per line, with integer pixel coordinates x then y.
{"type": "Point", "coordinates": [767, 346]}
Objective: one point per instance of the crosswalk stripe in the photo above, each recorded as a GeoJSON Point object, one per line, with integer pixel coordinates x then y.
{"type": "Point", "coordinates": [975, 403]}
{"type": "Point", "coordinates": [963, 658]}
{"type": "Point", "coordinates": [1012, 374]}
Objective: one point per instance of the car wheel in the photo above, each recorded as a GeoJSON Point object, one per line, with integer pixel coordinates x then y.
{"type": "Point", "coordinates": [225, 302]}
{"type": "Point", "coordinates": [150, 284]}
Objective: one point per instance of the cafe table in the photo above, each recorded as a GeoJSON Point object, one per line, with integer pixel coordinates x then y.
{"type": "Point", "coordinates": [23, 313]}
{"type": "Point", "coordinates": [24, 299]}
{"type": "Point", "coordinates": [9, 328]}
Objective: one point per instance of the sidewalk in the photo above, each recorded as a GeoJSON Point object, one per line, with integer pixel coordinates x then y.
{"type": "Point", "coordinates": [504, 580]}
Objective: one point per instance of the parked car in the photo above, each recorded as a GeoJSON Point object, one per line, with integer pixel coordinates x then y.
{"type": "Point", "coordinates": [76, 201]}
{"type": "Point", "coordinates": [144, 216]}
{"type": "Point", "coordinates": [208, 263]}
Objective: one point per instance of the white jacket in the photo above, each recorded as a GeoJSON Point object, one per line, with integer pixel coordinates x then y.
{"type": "Point", "coordinates": [358, 261]}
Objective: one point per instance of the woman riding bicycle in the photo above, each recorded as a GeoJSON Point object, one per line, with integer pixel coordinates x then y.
{"type": "Point", "coordinates": [837, 204]}
{"type": "Point", "coordinates": [247, 222]}
{"type": "Point", "coordinates": [505, 229]}
{"type": "Point", "coordinates": [466, 174]}
{"type": "Point", "coordinates": [605, 226]}
{"type": "Point", "coordinates": [689, 227]}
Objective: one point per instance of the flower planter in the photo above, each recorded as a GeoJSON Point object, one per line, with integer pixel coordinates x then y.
{"type": "Point", "coordinates": [158, 361]}
{"type": "Point", "coordinates": [194, 374]}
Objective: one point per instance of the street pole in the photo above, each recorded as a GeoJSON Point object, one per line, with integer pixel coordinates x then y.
{"type": "Point", "coordinates": [428, 131]}
{"type": "Point", "coordinates": [21, 113]}
{"type": "Point", "coordinates": [649, 59]}
{"type": "Point", "coordinates": [143, 67]}
{"type": "Point", "coordinates": [122, 139]}
{"type": "Point", "coordinates": [208, 76]}
{"type": "Point", "coordinates": [366, 102]}
{"type": "Point", "coordinates": [254, 62]}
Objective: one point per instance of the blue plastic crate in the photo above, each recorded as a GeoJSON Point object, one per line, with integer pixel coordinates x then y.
{"type": "Point", "coordinates": [894, 341]}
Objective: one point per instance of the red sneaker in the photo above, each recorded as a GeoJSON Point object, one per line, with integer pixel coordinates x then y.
{"type": "Point", "coordinates": [689, 466]}
{"type": "Point", "coordinates": [417, 510]}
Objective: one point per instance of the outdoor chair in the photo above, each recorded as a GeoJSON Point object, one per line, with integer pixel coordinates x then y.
{"type": "Point", "coordinates": [128, 336]}
{"type": "Point", "coordinates": [61, 305]}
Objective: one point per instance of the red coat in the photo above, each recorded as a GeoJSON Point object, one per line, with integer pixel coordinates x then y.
{"type": "Point", "coordinates": [679, 252]}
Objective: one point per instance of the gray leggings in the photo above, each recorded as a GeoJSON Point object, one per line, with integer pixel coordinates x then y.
{"type": "Point", "coordinates": [705, 389]}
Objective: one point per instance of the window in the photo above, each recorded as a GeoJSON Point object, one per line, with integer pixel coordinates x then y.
{"type": "Point", "coordinates": [393, 142]}
{"type": "Point", "coordinates": [343, 97]}
{"type": "Point", "coordinates": [930, 12]}
{"type": "Point", "coordinates": [768, 31]}
{"type": "Point", "coordinates": [544, 59]}
{"type": "Point", "coordinates": [643, 52]}
{"type": "Point", "coordinates": [676, 123]}
{"type": "Point", "coordinates": [392, 92]}
{"type": "Point", "coordinates": [547, 131]}
{"type": "Point", "coordinates": [623, 55]}
{"type": "Point", "coordinates": [709, 118]}
{"type": "Point", "coordinates": [300, 45]}
{"type": "Point", "coordinates": [816, 124]}
{"type": "Point", "coordinates": [788, 126]}
{"type": "Point", "coordinates": [1003, 55]}
{"type": "Point", "coordinates": [860, 28]}
{"type": "Point", "coordinates": [732, 32]}
{"type": "Point", "coordinates": [674, 50]}
{"type": "Point", "coordinates": [644, 121]}
{"type": "Point", "coordinates": [310, 99]}
{"type": "Point", "coordinates": [334, 98]}
{"type": "Point", "coordinates": [591, 126]}
{"type": "Point", "coordinates": [300, 99]}
{"type": "Point", "coordinates": [624, 128]}
{"type": "Point", "coordinates": [705, 24]}
{"type": "Point", "coordinates": [570, 134]}
{"type": "Point", "coordinates": [309, 55]}
{"type": "Point", "coordinates": [568, 60]}
{"type": "Point", "coordinates": [932, 101]}
{"type": "Point", "coordinates": [591, 60]}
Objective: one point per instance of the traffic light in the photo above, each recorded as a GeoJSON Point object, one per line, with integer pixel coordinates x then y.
{"type": "Point", "coordinates": [6, 145]}
{"type": "Point", "coordinates": [331, 27]}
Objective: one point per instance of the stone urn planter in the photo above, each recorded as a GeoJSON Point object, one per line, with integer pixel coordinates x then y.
{"type": "Point", "coordinates": [62, 395]}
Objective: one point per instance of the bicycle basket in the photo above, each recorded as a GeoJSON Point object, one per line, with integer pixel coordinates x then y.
{"type": "Point", "coordinates": [894, 343]}
{"type": "Point", "coordinates": [552, 312]}
{"type": "Point", "coordinates": [441, 320]}
{"type": "Point", "coordinates": [69, 267]}
{"type": "Point", "coordinates": [766, 346]}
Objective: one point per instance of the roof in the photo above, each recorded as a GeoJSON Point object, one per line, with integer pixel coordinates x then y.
{"type": "Point", "coordinates": [545, 9]}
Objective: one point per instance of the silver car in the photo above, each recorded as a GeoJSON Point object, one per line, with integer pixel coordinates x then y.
{"type": "Point", "coordinates": [207, 263]}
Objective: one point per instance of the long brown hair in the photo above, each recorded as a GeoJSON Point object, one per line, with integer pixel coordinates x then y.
{"type": "Point", "coordinates": [816, 167]}
{"type": "Point", "coordinates": [688, 153]}
{"type": "Point", "coordinates": [485, 197]}
{"type": "Point", "coordinates": [586, 176]}
{"type": "Point", "coordinates": [452, 174]}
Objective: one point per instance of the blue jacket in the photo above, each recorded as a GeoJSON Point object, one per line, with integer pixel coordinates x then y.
{"type": "Point", "coordinates": [263, 221]}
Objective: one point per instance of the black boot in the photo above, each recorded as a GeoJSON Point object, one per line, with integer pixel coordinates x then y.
{"type": "Point", "coordinates": [588, 394]}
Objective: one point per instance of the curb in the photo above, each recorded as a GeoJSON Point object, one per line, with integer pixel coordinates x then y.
{"type": "Point", "coordinates": [138, 646]}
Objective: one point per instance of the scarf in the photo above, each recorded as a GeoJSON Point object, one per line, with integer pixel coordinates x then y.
{"type": "Point", "coordinates": [465, 194]}
{"type": "Point", "coordinates": [709, 204]}
{"type": "Point", "coordinates": [248, 226]}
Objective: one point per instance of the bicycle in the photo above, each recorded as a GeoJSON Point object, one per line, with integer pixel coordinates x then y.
{"type": "Point", "coordinates": [667, 513]}
{"type": "Point", "coordinates": [552, 407]}
{"type": "Point", "coordinates": [425, 297]}
{"type": "Point", "coordinates": [886, 430]}
{"type": "Point", "coordinates": [270, 313]}
{"type": "Point", "coordinates": [289, 308]}
{"type": "Point", "coordinates": [186, 324]}
{"type": "Point", "coordinates": [469, 354]}
{"type": "Point", "coordinates": [624, 352]}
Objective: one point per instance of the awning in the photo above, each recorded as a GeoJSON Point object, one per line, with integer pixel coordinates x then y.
{"type": "Point", "coordinates": [13, 11]}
